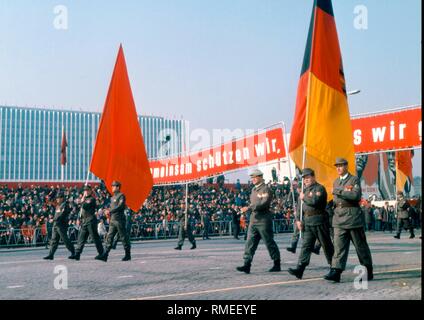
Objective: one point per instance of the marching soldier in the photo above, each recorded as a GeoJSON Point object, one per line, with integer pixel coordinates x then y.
{"type": "Point", "coordinates": [60, 228]}
{"type": "Point", "coordinates": [88, 224]}
{"type": "Point", "coordinates": [348, 223]}
{"type": "Point", "coordinates": [315, 222]}
{"type": "Point", "coordinates": [403, 218]}
{"type": "Point", "coordinates": [296, 234]}
{"type": "Point", "coordinates": [260, 226]}
{"type": "Point", "coordinates": [117, 223]}
{"type": "Point", "coordinates": [204, 218]}
{"type": "Point", "coordinates": [184, 230]}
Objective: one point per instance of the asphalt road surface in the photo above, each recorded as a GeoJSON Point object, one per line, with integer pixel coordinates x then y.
{"type": "Point", "coordinates": [157, 271]}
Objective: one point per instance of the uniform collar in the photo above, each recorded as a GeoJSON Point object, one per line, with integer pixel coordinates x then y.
{"type": "Point", "coordinates": [259, 185]}
{"type": "Point", "coordinates": [342, 178]}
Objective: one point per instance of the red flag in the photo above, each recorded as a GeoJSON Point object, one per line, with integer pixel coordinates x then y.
{"type": "Point", "coordinates": [63, 148]}
{"type": "Point", "coordinates": [119, 152]}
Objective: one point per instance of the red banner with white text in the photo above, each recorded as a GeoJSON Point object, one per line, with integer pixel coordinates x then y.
{"type": "Point", "coordinates": [387, 131]}
{"type": "Point", "coordinates": [263, 147]}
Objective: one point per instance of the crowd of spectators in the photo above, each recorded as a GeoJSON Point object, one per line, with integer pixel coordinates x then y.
{"type": "Point", "coordinates": [26, 213]}
{"type": "Point", "coordinates": [25, 209]}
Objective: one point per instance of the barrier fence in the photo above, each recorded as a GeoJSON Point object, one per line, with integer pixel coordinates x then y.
{"type": "Point", "coordinates": [40, 236]}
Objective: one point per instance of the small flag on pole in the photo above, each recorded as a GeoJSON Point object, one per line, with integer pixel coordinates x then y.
{"type": "Point", "coordinates": [63, 147]}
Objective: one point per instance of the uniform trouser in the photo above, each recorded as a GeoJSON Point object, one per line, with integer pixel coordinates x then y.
{"type": "Point", "coordinates": [342, 238]}
{"type": "Point", "coordinates": [205, 234]}
{"type": "Point", "coordinates": [117, 226]}
{"type": "Point", "coordinates": [310, 235]}
{"type": "Point", "coordinates": [295, 240]}
{"type": "Point", "coordinates": [256, 232]}
{"type": "Point", "coordinates": [89, 228]}
{"type": "Point", "coordinates": [60, 232]}
{"type": "Point", "coordinates": [236, 229]}
{"type": "Point", "coordinates": [182, 233]}
{"type": "Point", "coordinates": [404, 223]}
{"type": "Point", "coordinates": [116, 238]}
{"type": "Point", "coordinates": [246, 231]}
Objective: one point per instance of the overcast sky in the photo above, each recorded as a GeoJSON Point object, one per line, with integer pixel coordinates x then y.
{"type": "Point", "coordinates": [217, 63]}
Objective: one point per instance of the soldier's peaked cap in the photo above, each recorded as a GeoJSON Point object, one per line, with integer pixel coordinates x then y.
{"type": "Point", "coordinates": [116, 183]}
{"type": "Point", "coordinates": [340, 161]}
{"type": "Point", "coordinates": [256, 173]}
{"type": "Point", "coordinates": [308, 172]}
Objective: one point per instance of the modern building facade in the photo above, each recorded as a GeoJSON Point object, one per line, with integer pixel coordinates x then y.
{"type": "Point", "coordinates": [30, 142]}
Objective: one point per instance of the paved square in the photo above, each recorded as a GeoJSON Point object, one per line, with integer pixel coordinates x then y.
{"type": "Point", "coordinates": [157, 271]}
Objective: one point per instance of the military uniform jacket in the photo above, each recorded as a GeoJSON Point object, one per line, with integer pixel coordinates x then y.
{"type": "Point", "coordinates": [117, 206]}
{"type": "Point", "coordinates": [347, 194]}
{"type": "Point", "coordinates": [88, 209]}
{"type": "Point", "coordinates": [61, 214]}
{"type": "Point", "coordinates": [260, 202]}
{"type": "Point", "coordinates": [204, 219]}
{"type": "Point", "coordinates": [314, 205]}
{"type": "Point", "coordinates": [402, 208]}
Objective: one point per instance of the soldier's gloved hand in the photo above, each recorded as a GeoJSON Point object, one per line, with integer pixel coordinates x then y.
{"type": "Point", "coordinates": [337, 191]}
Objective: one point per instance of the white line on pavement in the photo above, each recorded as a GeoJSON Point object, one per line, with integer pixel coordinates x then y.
{"type": "Point", "coordinates": [123, 277]}
{"type": "Point", "coordinates": [261, 285]}
{"type": "Point", "coordinates": [14, 287]}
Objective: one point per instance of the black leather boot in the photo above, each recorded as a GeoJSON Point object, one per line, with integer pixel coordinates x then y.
{"type": "Point", "coordinates": [245, 268]}
{"type": "Point", "coordinates": [75, 256]}
{"type": "Point", "coordinates": [193, 246]}
{"type": "Point", "coordinates": [103, 257]}
{"type": "Point", "coordinates": [177, 248]}
{"type": "Point", "coordinates": [397, 236]}
{"type": "Point", "coordinates": [298, 271]}
{"type": "Point", "coordinates": [316, 250]}
{"type": "Point", "coordinates": [72, 256]}
{"type": "Point", "coordinates": [333, 275]}
{"type": "Point", "coordinates": [291, 249]}
{"type": "Point", "coordinates": [276, 267]}
{"type": "Point", "coordinates": [49, 257]}
{"type": "Point", "coordinates": [370, 274]}
{"type": "Point", "coordinates": [127, 255]}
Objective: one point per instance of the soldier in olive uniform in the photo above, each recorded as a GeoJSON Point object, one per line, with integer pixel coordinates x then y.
{"type": "Point", "coordinates": [296, 234]}
{"type": "Point", "coordinates": [60, 228]}
{"type": "Point", "coordinates": [204, 220]}
{"type": "Point", "coordinates": [315, 222]}
{"type": "Point", "coordinates": [88, 224]}
{"type": "Point", "coordinates": [117, 223]}
{"type": "Point", "coordinates": [184, 230]}
{"type": "Point", "coordinates": [260, 226]}
{"type": "Point", "coordinates": [348, 223]}
{"type": "Point", "coordinates": [403, 218]}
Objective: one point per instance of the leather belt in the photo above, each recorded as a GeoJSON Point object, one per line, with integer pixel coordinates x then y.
{"type": "Point", "coordinates": [310, 213]}
{"type": "Point", "coordinates": [346, 206]}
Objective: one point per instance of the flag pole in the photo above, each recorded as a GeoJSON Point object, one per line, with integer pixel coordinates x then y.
{"type": "Point", "coordinates": [290, 172]}
{"type": "Point", "coordinates": [62, 166]}
{"type": "Point", "coordinates": [307, 113]}
{"type": "Point", "coordinates": [304, 143]}
{"type": "Point", "coordinates": [186, 206]}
